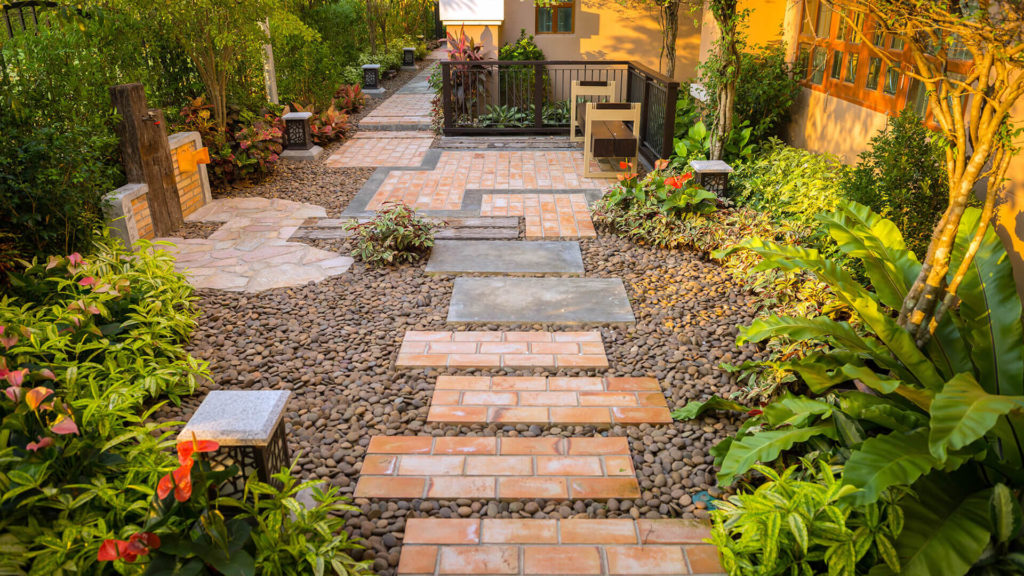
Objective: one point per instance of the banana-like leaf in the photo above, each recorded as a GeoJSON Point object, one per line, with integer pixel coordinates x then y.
{"type": "Point", "coordinates": [963, 412]}
{"type": "Point", "coordinates": [694, 409]}
{"type": "Point", "coordinates": [877, 242]}
{"type": "Point", "coordinates": [892, 459]}
{"type": "Point", "coordinates": [990, 311]}
{"type": "Point", "coordinates": [1005, 513]}
{"type": "Point", "coordinates": [765, 447]}
{"type": "Point", "coordinates": [818, 328]}
{"type": "Point", "coordinates": [794, 258]}
{"type": "Point", "coordinates": [881, 411]}
{"type": "Point", "coordinates": [946, 529]}
{"type": "Point", "coordinates": [793, 410]}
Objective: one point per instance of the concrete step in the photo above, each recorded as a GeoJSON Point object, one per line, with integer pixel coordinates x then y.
{"type": "Point", "coordinates": [540, 300]}
{"type": "Point", "coordinates": [510, 258]}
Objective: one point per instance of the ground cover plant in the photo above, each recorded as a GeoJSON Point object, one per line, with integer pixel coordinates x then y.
{"type": "Point", "coordinates": [90, 348]}
{"type": "Point", "coordinates": [395, 235]}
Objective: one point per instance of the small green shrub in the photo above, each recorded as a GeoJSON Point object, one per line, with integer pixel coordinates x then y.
{"type": "Point", "coordinates": [795, 523]}
{"type": "Point", "coordinates": [504, 116]}
{"type": "Point", "coordinates": [396, 234]}
{"type": "Point", "coordinates": [695, 144]}
{"type": "Point", "coordinates": [658, 191]}
{"type": "Point", "coordinates": [902, 177]}
{"type": "Point", "coordinates": [349, 98]}
{"type": "Point", "coordinates": [765, 92]}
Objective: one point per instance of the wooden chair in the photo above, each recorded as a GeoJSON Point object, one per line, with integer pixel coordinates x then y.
{"type": "Point", "coordinates": [611, 132]}
{"type": "Point", "coordinates": [592, 88]}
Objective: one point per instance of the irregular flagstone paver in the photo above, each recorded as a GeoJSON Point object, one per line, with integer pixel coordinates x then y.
{"type": "Point", "coordinates": [457, 171]}
{"type": "Point", "coordinates": [374, 149]}
{"type": "Point", "coordinates": [548, 400]}
{"type": "Point", "coordinates": [502, 468]}
{"type": "Point", "coordinates": [546, 215]}
{"type": "Point", "coordinates": [473, 349]}
{"type": "Point", "coordinates": [489, 257]}
{"type": "Point", "coordinates": [251, 252]}
{"type": "Point", "coordinates": [435, 546]}
{"type": "Point", "coordinates": [539, 300]}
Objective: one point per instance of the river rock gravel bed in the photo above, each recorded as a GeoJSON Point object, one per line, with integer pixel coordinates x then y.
{"type": "Point", "coordinates": [333, 344]}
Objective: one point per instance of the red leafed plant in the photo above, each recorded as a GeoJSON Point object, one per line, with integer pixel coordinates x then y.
{"type": "Point", "coordinates": [349, 98]}
{"type": "Point", "coordinates": [326, 126]}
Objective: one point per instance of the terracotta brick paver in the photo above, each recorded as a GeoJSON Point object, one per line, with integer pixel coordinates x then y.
{"type": "Point", "coordinates": [548, 400]}
{"type": "Point", "coordinates": [501, 350]}
{"type": "Point", "coordinates": [547, 215]}
{"type": "Point", "coordinates": [400, 110]}
{"type": "Point", "coordinates": [374, 149]}
{"type": "Point", "coordinates": [558, 468]}
{"type": "Point", "coordinates": [457, 171]}
{"type": "Point", "coordinates": [572, 546]}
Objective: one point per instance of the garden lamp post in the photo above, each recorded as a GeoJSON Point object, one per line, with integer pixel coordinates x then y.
{"type": "Point", "coordinates": [409, 58]}
{"type": "Point", "coordinates": [298, 138]}
{"type": "Point", "coordinates": [713, 175]}
{"type": "Point", "coordinates": [371, 80]}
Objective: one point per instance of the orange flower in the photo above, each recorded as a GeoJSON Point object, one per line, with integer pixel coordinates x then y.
{"type": "Point", "coordinates": [660, 164]}
{"type": "Point", "coordinates": [674, 182]}
{"type": "Point", "coordinates": [625, 165]}
{"type": "Point", "coordinates": [180, 481]}
{"type": "Point", "coordinates": [139, 544]}
{"type": "Point", "coordinates": [187, 448]}
{"type": "Point", "coordinates": [35, 396]}
{"type": "Point", "coordinates": [687, 176]}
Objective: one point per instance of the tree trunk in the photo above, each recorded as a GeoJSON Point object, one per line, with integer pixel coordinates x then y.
{"type": "Point", "coordinates": [724, 121]}
{"type": "Point", "coordinates": [670, 12]}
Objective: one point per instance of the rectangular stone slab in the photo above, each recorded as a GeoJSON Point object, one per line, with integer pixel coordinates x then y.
{"type": "Point", "coordinates": [508, 257]}
{"type": "Point", "coordinates": [540, 300]}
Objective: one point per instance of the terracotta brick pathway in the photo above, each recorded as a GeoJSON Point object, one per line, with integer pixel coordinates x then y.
{"type": "Point", "coordinates": [597, 547]}
{"type": "Point", "coordinates": [548, 216]}
{"type": "Point", "coordinates": [501, 350]}
{"type": "Point", "coordinates": [400, 110]}
{"type": "Point", "coordinates": [458, 171]}
{"type": "Point", "coordinates": [375, 149]}
{"type": "Point", "coordinates": [501, 468]}
{"type": "Point", "coordinates": [548, 400]}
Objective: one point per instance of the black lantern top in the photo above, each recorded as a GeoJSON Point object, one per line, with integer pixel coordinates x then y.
{"type": "Point", "coordinates": [408, 57]}
{"type": "Point", "coordinates": [371, 76]}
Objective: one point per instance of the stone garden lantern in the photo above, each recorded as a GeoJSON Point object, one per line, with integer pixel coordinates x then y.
{"type": "Point", "coordinates": [371, 80]}
{"type": "Point", "coordinates": [713, 175]}
{"type": "Point", "coordinates": [409, 58]}
{"type": "Point", "coordinates": [298, 139]}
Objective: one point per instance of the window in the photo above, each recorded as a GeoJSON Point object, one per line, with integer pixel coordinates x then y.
{"type": "Point", "coordinates": [874, 68]}
{"type": "Point", "coordinates": [837, 65]}
{"type": "Point", "coordinates": [818, 65]}
{"type": "Point", "coordinates": [555, 19]}
{"type": "Point", "coordinates": [958, 50]}
{"type": "Point", "coordinates": [810, 9]}
{"type": "Point", "coordinates": [851, 68]}
{"type": "Point", "coordinates": [917, 97]}
{"type": "Point", "coordinates": [878, 39]}
{"type": "Point", "coordinates": [850, 23]}
{"type": "Point", "coordinates": [897, 43]}
{"type": "Point", "coordinates": [892, 80]}
{"type": "Point", "coordinates": [802, 60]}
{"type": "Point", "coordinates": [824, 21]}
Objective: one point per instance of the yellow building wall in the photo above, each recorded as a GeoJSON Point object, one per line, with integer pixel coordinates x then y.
{"type": "Point", "coordinates": [766, 24]}
{"type": "Point", "coordinates": [606, 30]}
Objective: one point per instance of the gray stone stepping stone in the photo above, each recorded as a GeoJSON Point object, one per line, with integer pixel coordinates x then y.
{"type": "Point", "coordinates": [505, 257]}
{"type": "Point", "coordinates": [540, 300]}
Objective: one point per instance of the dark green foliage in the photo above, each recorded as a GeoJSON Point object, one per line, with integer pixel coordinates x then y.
{"type": "Point", "coordinates": [765, 92]}
{"type": "Point", "coordinates": [902, 176]}
{"type": "Point", "coordinates": [395, 235]}
{"type": "Point", "coordinates": [516, 82]}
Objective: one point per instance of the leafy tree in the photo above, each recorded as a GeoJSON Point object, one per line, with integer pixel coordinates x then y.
{"type": "Point", "coordinates": [722, 68]}
{"type": "Point", "coordinates": [973, 115]}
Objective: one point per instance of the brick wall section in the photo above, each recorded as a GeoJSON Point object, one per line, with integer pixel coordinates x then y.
{"type": "Point", "coordinates": [190, 187]}
{"type": "Point", "coordinates": [140, 213]}
{"type": "Point", "coordinates": [573, 546]}
{"type": "Point", "coordinates": [473, 349]}
{"type": "Point", "coordinates": [542, 400]}
{"type": "Point", "coordinates": [502, 468]}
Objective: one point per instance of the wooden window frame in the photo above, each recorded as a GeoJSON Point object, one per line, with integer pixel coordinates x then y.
{"type": "Point", "coordinates": [850, 43]}
{"type": "Point", "coordinates": [554, 17]}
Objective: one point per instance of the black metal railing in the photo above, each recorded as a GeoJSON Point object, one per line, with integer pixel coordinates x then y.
{"type": "Point", "coordinates": [499, 97]}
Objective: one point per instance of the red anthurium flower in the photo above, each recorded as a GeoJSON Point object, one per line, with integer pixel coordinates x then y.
{"type": "Point", "coordinates": [187, 448]}
{"type": "Point", "coordinates": [687, 176]}
{"type": "Point", "coordinates": [37, 446]}
{"type": "Point", "coordinates": [674, 182]}
{"type": "Point", "coordinates": [14, 393]}
{"type": "Point", "coordinates": [139, 544]}
{"type": "Point", "coordinates": [9, 340]}
{"type": "Point", "coordinates": [108, 551]}
{"type": "Point", "coordinates": [660, 164]}
{"type": "Point", "coordinates": [16, 377]}
{"type": "Point", "coordinates": [36, 396]}
{"type": "Point", "coordinates": [75, 259]}
{"type": "Point", "coordinates": [87, 281]}
{"type": "Point", "coordinates": [64, 425]}
{"type": "Point", "coordinates": [47, 374]}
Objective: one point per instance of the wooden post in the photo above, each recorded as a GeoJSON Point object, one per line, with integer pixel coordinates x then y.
{"type": "Point", "coordinates": [538, 95]}
{"type": "Point", "coordinates": [146, 155]}
{"type": "Point", "coordinates": [446, 96]}
{"type": "Point", "coordinates": [669, 128]}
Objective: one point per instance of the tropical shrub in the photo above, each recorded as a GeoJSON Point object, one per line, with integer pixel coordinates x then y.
{"type": "Point", "coordinates": [326, 126]}
{"type": "Point", "coordinates": [659, 191]}
{"type": "Point", "coordinates": [765, 92]}
{"type": "Point", "coordinates": [696, 145]}
{"type": "Point", "coordinates": [902, 177]}
{"type": "Point", "coordinates": [556, 113]}
{"type": "Point", "coordinates": [349, 98]}
{"type": "Point", "coordinates": [504, 116]}
{"type": "Point", "coordinates": [516, 82]}
{"type": "Point", "coordinates": [396, 234]}
{"type": "Point", "coordinates": [797, 523]}
{"type": "Point", "coordinates": [944, 420]}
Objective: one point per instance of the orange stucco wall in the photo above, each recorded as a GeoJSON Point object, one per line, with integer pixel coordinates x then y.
{"type": "Point", "coordinates": [486, 36]}
{"type": "Point", "coordinates": [607, 30]}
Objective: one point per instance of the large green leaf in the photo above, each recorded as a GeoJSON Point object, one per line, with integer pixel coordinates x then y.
{"type": "Point", "coordinates": [794, 258]}
{"type": "Point", "coordinates": [877, 242]}
{"type": "Point", "coordinates": [945, 532]}
{"type": "Point", "coordinates": [963, 412]}
{"type": "Point", "coordinates": [990, 311]}
{"type": "Point", "coordinates": [819, 328]}
{"type": "Point", "coordinates": [888, 460]}
{"type": "Point", "coordinates": [881, 411]}
{"type": "Point", "coordinates": [764, 447]}
{"type": "Point", "coordinates": [695, 408]}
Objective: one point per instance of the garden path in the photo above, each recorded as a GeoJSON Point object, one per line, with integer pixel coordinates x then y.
{"type": "Point", "coordinates": [546, 188]}
{"type": "Point", "coordinates": [250, 252]}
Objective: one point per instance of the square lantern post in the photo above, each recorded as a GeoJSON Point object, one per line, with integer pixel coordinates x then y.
{"type": "Point", "coordinates": [713, 175]}
{"type": "Point", "coordinates": [298, 138]}
{"type": "Point", "coordinates": [409, 58]}
{"type": "Point", "coordinates": [371, 80]}
{"type": "Point", "coordinates": [249, 425]}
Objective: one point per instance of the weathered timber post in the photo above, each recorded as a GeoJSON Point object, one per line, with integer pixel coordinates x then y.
{"type": "Point", "coordinates": [146, 155]}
